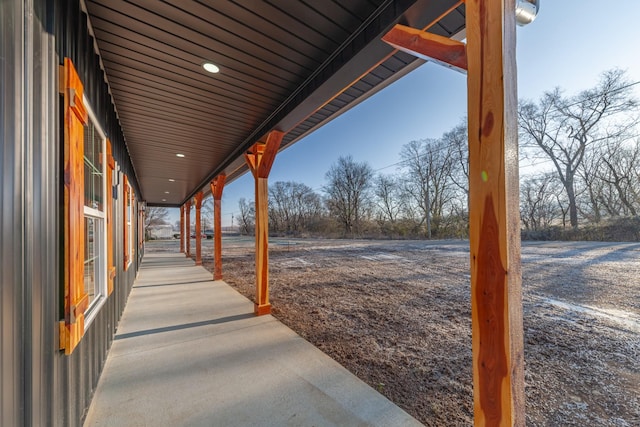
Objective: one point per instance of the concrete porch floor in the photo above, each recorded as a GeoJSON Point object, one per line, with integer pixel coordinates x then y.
{"type": "Point", "coordinates": [190, 352]}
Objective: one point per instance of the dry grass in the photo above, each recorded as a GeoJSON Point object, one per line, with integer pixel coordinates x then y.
{"type": "Point", "coordinates": [397, 314]}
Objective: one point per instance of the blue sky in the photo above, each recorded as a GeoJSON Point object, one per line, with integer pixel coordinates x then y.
{"type": "Point", "coordinates": [569, 44]}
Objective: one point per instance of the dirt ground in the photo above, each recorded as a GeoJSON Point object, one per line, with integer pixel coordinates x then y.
{"type": "Point", "coordinates": [397, 315]}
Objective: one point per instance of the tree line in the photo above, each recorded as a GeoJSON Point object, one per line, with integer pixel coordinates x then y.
{"type": "Point", "coordinates": [590, 141]}
{"type": "Point", "coordinates": [427, 197]}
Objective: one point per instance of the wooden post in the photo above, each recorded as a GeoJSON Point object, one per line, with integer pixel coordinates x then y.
{"type": "Point", "coordinates": [260, 159]}
{"type": "Point", "coordinates": [263, 305]}
{"type": "Point", "coordinates": [187, 219]}
{"type": "Point", "coordinates": [217, 185]}
{"type": "Point", "coordinates": [182, 229]}
{"type": "Point", "coordinates": [494, 223]}
{"type": "Point", "coordinates": [198, 200]}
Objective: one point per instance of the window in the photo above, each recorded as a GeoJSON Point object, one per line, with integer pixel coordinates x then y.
{"type": "Point", "coordinates": [85, 213]}
{"type": "Point", "coordinates": [129, 237]}
{"type": "Point", "coordinates": [95, 248]}
{"type": "Point", "coordinates": [130, 220]}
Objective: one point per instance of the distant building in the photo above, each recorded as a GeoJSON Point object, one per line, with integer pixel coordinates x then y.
{"type": "Point", "coordinates": [160, 232]}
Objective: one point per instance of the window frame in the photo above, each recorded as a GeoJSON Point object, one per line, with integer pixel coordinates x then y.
{"type": "Point", "coordinates": [128, 210]}
{"type": "Point", "coordinates": [101, 296]}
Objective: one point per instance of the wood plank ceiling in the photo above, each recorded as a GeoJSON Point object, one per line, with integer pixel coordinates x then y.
{"type": "Point", "coordinates": [284, 64]}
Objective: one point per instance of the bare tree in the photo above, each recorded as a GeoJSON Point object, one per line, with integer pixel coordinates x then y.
{"type": "Point", "coordinates": [247, 218]}
{"type": "Point", "coordinates": [563, 205]}
{"type": "Point", "coordinates": [309, 207]}
{"type": "Point", "coordinates": [206, 213]}
{"type": "Point", "coordinates": [564, 128]}
{"type": "Point", "coordinates": [428, 166]}
{"type": "Point", "coordinates": [593, 197]}
{"type": "Point", "coordinates": [348, 192]}
{"type": "Point", "coordinates": [621, 163]}
{"type": "Point", "coordinates": [538, 204]}
{"type": "Point", "coordinates": [293, 207]}
{"type": "Point", "coordinates": [416, 184]}
{"type": "Point", "coordinates": [155, 215]}
{"type": "Point", "coordinates": [387, 191]}
{"type": "Point", "coordinates": [458, 141]}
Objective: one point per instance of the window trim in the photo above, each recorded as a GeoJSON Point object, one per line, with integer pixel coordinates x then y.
{"type": "Point", "coordinates": [130, 225]}
{"type": "Point", "coordinates": [99, 300]}
{"type": "Point", "coordinates": [128, 201]}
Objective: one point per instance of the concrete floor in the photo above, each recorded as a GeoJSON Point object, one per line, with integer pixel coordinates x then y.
{"type": "Point", "coordinates": [190, 352]}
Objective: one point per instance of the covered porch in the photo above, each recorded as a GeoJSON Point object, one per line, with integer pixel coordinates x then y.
{"type": "Point", "coordinates": [207, 131]}
{"type": "Point", "coordinates": [114, 107]}
{"type": "Point", "coordinates": [190, 351]}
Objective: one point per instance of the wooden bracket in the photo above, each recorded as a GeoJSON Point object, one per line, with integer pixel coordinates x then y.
{"type": "Point", "coordinates": [261, 155]}
{"type": "Point", "coordinates": [432, 47]}
{"type": "Point", "coordinates": [198, 199]}
{"type": "Point", "coordinates": [217, 185]}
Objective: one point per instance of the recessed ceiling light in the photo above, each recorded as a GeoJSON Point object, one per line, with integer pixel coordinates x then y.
{"type": "Point", "coordinates": [164, 200]}
{"type": "Point", "coordinates": [166, 192]}
{"type": "Point", "coordinates": [211, 67]}
{"type": "Point", "coordinates": [172, 180]}
{"type": "Point", "coordinates": [179, 155]}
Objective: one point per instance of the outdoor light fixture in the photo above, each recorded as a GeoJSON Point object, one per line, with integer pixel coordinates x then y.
{"type": "Point", "coordinates": [526, 11]}
{"type": "Point", "coordinates": [211, 67]}
{"type": "Point", "coordinates": [179, 155]}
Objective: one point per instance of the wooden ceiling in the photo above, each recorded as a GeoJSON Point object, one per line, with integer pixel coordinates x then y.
{"type": "Point", "coordinates": [284, 64]}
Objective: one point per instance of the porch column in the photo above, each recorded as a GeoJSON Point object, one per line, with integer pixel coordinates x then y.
{"type": "Point", "coordinates": [260, 159]}
{"type": "Point", "coordinates": [198, 200]}
{"type": "Point", "coordinates": [187, 219]}
{"type": "Point", "coordinates": [217, 185]}
{"type": "Point", "coordinates": [182, 229]}
{"type": "Point", "coordinates": [494, 219]}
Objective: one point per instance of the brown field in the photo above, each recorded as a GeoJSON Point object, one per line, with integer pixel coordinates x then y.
{"type": "Point", "coordinates": [397, 315]}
